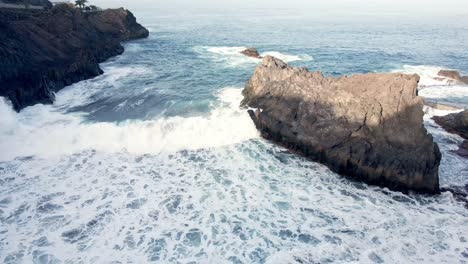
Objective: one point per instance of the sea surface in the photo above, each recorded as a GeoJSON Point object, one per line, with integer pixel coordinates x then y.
{"type": "Point", "coordinates": [154, 161]}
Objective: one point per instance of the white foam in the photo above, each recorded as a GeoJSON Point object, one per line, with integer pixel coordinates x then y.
{"type": "Point", "coordinates": [8, 117]}
{"type": "Point", "coordinates": [249, 202]}
{"type": "Point", "coordinates": [104, 85]}
{"type": "Point", "coordinates": [232, 57]}
{"type": "Point", "coordinates": [288, 58]}
{"type": "Point", "coordinates": [43, 131]}
{"type": "Point", "coordinates": [429, 75]}
{"type": "Point", "coordinates": [431, 112]}
{"type": "Point", "coordinates": [444, 92]}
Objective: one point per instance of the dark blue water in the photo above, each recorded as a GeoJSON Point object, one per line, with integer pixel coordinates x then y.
{"type": "Point", "coordinates": [154, 161]}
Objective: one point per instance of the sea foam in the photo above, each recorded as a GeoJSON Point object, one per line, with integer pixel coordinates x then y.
{"type": "Point", "coordinates": [42, 130]}
{"type": "Point", "coordinates": [232, 57]}
{"type": "Point", "coordinates": [429, 75]}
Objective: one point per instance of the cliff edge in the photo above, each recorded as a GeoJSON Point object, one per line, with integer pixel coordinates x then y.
{"type": "Point", "coordinates": [42, 51]}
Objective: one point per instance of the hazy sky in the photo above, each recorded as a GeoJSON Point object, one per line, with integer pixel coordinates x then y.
{"type": "Point", "coordinates": [416, 7]}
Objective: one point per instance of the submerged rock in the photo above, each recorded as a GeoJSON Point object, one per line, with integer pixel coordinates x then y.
{"type": "Point", "coordinates": [42, 51]}
{"type": "Point", "coordinates": [251, 52]}
{"type": "Point", "coordinates": [368, 127]}
{"type": "Point", "coordinates": [453, 75]}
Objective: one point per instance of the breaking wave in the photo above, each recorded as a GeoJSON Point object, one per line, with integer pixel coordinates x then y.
{"type": "Point", "coordinates": [43, 130]}
{"type": "Point", "coordinates": [429, 75]}
{"type": "Point", "coordinates": [232, 57]}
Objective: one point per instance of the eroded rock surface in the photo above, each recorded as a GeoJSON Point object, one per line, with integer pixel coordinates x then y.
{"type": "Point", "coordinates": [368, 127]}
{"type": "Point", "coordinates": [42, 51]}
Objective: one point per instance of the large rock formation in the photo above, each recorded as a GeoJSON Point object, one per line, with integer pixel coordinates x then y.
{"type": "Point", "coordinates": [368, 127]}
{"type": "Point", "coordinates": [456, 124]}
{"type": "Point", "coordinates": [43, 51]}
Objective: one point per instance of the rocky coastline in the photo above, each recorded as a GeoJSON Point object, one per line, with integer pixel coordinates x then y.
{"type": "Point", "coordinates": [42, 51]}
{"type": "Point", "coordinates": [367, 127]}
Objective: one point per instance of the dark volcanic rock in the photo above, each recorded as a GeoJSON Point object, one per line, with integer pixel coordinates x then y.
{"type": "Point", "coordinates": [44, 3]}
{"type": "Point", "coordinates": [251, 52]}
{"type": "Point", "coordinates": [368, 127]}
{"type": "Point", "coordinates": [456, 124]}
{"type": "Point", "coordinates": [454, 75]}
{"type": "Point", "coordinates": [43, 51]}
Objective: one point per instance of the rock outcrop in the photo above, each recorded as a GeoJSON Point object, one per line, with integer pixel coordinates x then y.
{"type": "Point", "coordinates": [43, 51]}
{"type": "Point", "coordinates": [454, 76]}
{"type": "Point", "coordinates": [251, 52]}
{"type": "Point", "coordinates": [456, 124]}
{"type": "Point", "coordinates": [368, 127]}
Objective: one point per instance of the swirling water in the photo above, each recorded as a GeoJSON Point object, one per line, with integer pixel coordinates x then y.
{"type": "Point", "coordinates": [154, 161]}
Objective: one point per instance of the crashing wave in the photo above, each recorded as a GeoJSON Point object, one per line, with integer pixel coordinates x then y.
{"type": "Point", "coordinates": [43, 131]}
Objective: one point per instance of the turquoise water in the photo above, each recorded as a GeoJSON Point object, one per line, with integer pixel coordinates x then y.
{"type": "Point", "coordinates": [154, 161]}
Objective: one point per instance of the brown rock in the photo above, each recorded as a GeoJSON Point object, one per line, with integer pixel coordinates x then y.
{"type": "Point", "coordinates": [454, 75]}
{"type": "Point", "coordinates": [368, 127]}
{"type": "Point", "coordinates": [251, 52]}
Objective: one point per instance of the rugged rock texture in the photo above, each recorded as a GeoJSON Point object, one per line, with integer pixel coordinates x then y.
{"type": "Point", "coordinates": [43, 51]}
{"type": "Point", "coordinates": [454, 75]}
{"type": "Point", "coordinates": [251, 52]}
{"type": "Point", "coordinates": [368, 127]}
{"type": "Point", "coordinates": [456, 124]}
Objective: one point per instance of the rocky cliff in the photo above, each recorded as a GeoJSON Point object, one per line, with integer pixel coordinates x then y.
{"type": "Point", "coordinates": [43, 51]}
{"type": "Point", "coordinates": [368, 127]}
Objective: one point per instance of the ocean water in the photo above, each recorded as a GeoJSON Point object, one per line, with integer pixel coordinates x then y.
{"type": "Point", "coordinates": [154, 161]}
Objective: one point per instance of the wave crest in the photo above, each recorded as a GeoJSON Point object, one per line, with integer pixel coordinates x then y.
{"type": "Point", "coordinates": [43, 131]}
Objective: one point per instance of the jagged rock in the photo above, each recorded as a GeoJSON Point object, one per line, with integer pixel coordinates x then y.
{"type": "Point", "coordinates": [43, 51]}
{"type": "Point", "coordinates": [456, 124]}
{"type": "Point", "coordinates": [453, 75]}
{"type": "Point", "coordinates": [251, 52]}
{"type": "Point", "coordinates": [368, 127]}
